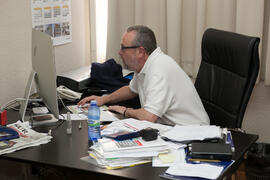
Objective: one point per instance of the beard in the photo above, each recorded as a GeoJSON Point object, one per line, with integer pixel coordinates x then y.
{"type": "Point", "coordinates": [125, 66]}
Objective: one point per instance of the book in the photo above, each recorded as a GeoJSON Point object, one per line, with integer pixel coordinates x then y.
{"type": "Point", "coordinates": [209, 151]}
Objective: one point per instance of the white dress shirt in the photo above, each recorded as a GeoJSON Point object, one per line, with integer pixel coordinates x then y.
{"type": "Point", "coordinates": [165, 90]}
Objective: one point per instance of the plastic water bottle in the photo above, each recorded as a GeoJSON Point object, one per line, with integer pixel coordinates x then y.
{"type": "Point", "coordinates": [93, 122]}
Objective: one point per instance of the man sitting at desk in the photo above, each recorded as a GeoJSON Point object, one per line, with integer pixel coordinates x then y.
{"type": "Point", "coordinates": [166, 93]}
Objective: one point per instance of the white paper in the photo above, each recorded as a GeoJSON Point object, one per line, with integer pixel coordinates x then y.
{"type": "Point", "coordinates": [195, 170]}
{"type": "Point", "coordinates": [193, 132]}
{"type": "Point", "coordinates": [53, 18]}
{"type": "Point", "coordinates": [179, 158]}
{"type": "Point", "coordinates": [81, 114]}
{"type": "Point", "coordinates": [136, 125]}
{"type": "Point", "coordinates": [110, 145]}
{"type": "Point", "coordinates": [106, 116]}
{"type": "Point", "coordinates": [75, 117]}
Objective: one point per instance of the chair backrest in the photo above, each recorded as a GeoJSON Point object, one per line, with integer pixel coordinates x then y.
{"type": "Point", "coordinates": [227, 74]}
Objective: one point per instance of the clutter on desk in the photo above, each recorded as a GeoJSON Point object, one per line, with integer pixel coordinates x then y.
{"type": "Point", "coordinates": [110, 153]}
{"type": "Point", "coordinates": [27, 138]}
{"type": "Point", "coordinates": [114, 153]}
{"type": "Point", "coordinates": [169, 149]}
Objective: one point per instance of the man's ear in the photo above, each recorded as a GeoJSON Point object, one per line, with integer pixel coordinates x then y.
{"type": "Point", "coordinates": [142, 52]}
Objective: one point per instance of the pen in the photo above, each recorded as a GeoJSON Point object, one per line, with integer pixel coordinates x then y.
{"type": "Point", "coordinates": [230, 140]}
{"type": "Point", "coordinates": [130, 127]}
{"type": "Point", "coordinates": [203, 160]}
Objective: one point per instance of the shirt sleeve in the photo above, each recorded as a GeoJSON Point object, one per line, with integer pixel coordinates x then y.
{"type": "Point", "coordinates": [158, 96]}
{"type": "Point", "coordinates": [133, 84]}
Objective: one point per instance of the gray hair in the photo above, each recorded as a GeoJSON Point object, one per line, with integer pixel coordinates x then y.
{"type": "Point", "coordinates": [145, 37]}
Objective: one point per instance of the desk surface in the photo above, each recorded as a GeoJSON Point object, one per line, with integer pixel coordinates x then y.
{"type": "Point", "coordinates": [65, 151]}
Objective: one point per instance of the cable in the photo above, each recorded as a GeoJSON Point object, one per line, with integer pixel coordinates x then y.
{"type": "Point", "coordinates": [11, 102]}
{"type": "Point", "coordinates": [16, 100]}
{"type": "Point", "coordinates": [63, 102]}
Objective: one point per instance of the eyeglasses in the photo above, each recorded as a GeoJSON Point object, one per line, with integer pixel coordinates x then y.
{"type": "Point", "coordinates": [128, 47]}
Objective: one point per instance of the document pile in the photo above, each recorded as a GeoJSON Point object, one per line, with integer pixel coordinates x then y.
{"type": "Point", "coordinates": [110, 153]}
{"type": "Point", "coordinates": [27, 138]}
{"type": "Point", "coordinates": [197, 168]}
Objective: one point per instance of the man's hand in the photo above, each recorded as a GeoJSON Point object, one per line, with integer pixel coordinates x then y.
{"type": "Point", "coordinates": [99, 99]}
{"type": "Point", "coordinates": [119, 109]}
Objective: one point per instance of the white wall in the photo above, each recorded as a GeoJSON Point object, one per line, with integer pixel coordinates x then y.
{"type": "Point", "coordinates": [15, 45]}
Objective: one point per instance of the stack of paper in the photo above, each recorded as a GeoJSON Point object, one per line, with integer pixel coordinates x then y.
{"type": "Point", "coordinates": [114, 154]}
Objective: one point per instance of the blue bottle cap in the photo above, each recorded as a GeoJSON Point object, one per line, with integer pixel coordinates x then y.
{"type": "Point", "coordinates": [93, 102]}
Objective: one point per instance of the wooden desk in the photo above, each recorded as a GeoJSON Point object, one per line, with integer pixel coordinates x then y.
{"type": "Point", "coordinates": [64, 152]}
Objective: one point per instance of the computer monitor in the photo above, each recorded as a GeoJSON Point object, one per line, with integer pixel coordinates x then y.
{"type": "Point", "coordinates": [43, 73]}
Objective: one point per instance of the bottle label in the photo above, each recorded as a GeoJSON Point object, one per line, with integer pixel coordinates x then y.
{"type": "Point", "coordinates": [94, 124]}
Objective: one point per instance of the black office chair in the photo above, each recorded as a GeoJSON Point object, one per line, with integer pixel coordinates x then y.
{"type": "Point", "coordinates": [227, 74]}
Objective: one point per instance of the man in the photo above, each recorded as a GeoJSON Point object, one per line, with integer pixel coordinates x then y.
{"type": "Point", "coordinates": [166, 93]}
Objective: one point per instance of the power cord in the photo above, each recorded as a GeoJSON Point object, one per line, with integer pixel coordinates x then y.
{"type": "Point", "coordinates": [59, 97]}
{"type": "Point", "coordinates": [16, 100]}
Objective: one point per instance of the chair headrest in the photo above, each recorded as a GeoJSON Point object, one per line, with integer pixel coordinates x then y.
{"type": "Point", "coordinates": [229, 50]}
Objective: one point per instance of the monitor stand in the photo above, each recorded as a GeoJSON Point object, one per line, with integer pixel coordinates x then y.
{"type": "Point", "coordinates": [24, 104]}
{"type": "Point", "coordinates": [28, 88]}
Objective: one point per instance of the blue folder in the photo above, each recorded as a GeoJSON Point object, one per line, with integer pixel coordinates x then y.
{"type": "Point", "coordinates": [7, 133]}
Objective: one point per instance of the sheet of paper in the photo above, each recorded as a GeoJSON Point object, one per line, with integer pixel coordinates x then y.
{"type": "Point", "coordinates": [193, 132]}
{"type": "Point", "coordinates": [136, 125]}
{"type": "Point", "coordinates": [75, 116]}
{"type": "Point", "coordinates": [106, 116]}
{"type": "Point", "coordinates": [81, 114]}
{"type": "Point", "coordinates": [167, 160]}
{"type": "Point", "coordinates": [76, 109]}
{"type": "Point", "coordinates": [195, 170]}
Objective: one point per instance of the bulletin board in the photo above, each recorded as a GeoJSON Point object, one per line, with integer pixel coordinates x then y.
{"type": "Point", "coordinates": [54, 18]}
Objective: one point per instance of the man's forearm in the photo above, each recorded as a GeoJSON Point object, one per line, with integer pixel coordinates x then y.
{"type": "Point", "coordinates": [140, 114]}
{"type": "Point", "coordinates": [122, 94]}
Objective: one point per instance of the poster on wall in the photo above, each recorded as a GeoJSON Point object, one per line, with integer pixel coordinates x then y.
{"type": "Point", "coordinates": [53, 17]}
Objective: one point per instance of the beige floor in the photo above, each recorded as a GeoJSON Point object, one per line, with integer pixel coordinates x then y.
{"type": "Point", "coordinates": [257, 116]}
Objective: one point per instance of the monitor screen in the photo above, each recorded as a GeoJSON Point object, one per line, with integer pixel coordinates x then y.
{"type": "Point", "coordinates": [43, 73]}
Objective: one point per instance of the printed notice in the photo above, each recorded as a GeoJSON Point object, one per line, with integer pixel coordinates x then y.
{"type": "Point", "coordinates": [54, 18]}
